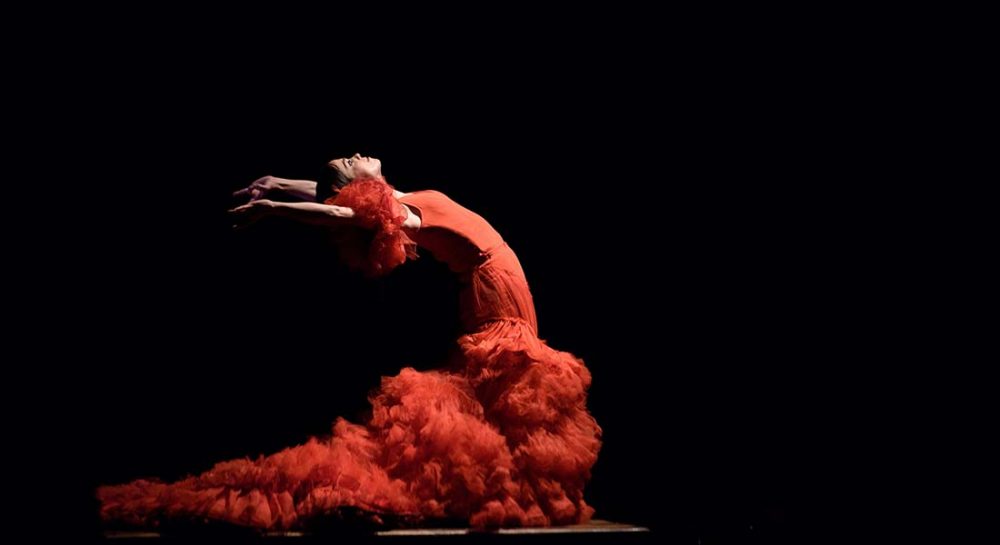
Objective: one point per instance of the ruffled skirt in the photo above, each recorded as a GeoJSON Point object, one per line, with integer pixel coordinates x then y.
{"type": "Point", "coordinates": [506, 441]}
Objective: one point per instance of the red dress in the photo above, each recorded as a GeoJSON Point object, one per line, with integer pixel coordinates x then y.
{"type": "Point", "coordinates": [503, 440]}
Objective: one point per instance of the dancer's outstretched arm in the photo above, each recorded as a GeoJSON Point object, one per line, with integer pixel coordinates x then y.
{"type": "Point", "coordinates": [324, 215]}
{"type": "Point", "coordinates": [278, 189]}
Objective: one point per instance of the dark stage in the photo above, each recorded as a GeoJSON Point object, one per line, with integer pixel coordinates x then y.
{"type": "Point", "coordinates": [678, 245]}
{"type": "Point", "coordinates": [597, 531]}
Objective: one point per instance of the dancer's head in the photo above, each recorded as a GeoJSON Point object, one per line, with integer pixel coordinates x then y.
{"type": "Point", "coordinates": [346, 169]}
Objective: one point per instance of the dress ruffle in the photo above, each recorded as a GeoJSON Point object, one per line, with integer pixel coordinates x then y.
{"type": "Point", "coordinates": [378, 245]}
{"type": "Point", "coordinates": [504, 441]}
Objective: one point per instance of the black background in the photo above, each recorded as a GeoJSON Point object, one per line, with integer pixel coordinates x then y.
{"type": "Point", "coordinates": [666, 198]}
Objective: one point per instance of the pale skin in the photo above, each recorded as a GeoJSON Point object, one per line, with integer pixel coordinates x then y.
{"type": "Point", "coordinates": [264, 192]}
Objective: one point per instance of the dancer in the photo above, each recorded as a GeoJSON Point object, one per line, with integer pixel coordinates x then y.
{"type": "Point", "coordinates": [500, 438]}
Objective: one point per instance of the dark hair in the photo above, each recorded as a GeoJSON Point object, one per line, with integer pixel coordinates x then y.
{"type": "Point", "coordinates": [339, 178]}
{"type": "Point", "coordinates": [330, 182]}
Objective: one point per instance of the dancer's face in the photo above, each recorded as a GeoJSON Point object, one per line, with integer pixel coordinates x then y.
{"type": "Point", "coordinates": [357, 166]}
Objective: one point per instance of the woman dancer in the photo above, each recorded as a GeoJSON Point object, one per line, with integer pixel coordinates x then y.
{"type": "Point", "coordinates": [501, 438]}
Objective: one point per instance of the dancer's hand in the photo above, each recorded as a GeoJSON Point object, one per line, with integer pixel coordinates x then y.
{"type": "Point", "coordinates": [260, 188]}
{"type": "Point", "coordinates": [248, 214]}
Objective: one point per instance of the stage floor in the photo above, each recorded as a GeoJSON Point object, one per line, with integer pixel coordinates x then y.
{"type": "Point", "coordinates": [597, 531]}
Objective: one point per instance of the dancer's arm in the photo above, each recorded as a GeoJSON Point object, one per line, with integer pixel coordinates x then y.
{"type": "Point", "coordinates": [412, 220]}
{"type": "Point", "coordinates": [327, 215]}
{"type": "Point", "coordinates": [273, 188]}
{"type": "Point", "coordinates": [324, 215]}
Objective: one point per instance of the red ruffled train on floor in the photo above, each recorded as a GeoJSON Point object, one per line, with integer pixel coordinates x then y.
{"type": "Point", "coordinates": [431, 450]}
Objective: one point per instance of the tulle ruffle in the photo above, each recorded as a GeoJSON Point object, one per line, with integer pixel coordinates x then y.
{"type": "Point", "coordinates": [378, 245]}
{"type": "Point", "coordinates": [504, 441]}
{"type": "Point", "coordinates": [536, 396]}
